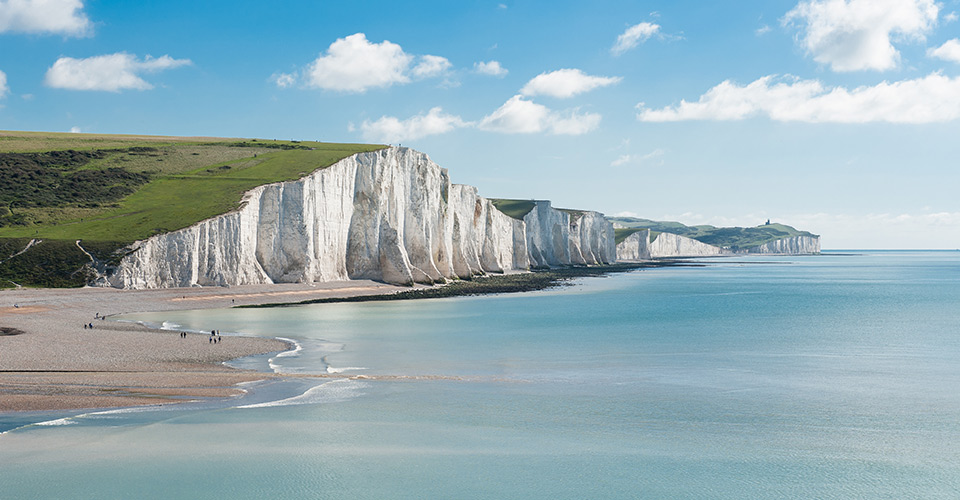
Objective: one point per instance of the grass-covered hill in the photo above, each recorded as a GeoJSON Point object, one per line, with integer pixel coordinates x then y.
{"type": "Point", "coordinates": [734, 238]}
{"type": "Point", "coordinates": [514, 208]}
{"type": "Point", "coordinates": [111, 190]}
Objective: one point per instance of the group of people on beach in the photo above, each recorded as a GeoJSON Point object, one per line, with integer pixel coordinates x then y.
{"type": "Point", "coordinates": [215, 337]}
{"type": "Point", "coordinates": [89, 326]}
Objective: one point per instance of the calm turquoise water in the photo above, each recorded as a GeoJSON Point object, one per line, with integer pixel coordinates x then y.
{"type": "Point", "coordinates": [831, 376]}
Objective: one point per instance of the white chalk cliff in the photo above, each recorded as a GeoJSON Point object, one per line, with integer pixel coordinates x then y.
{"type": "Point", "coordinates": [389, 215]}
{"type": "Point", "coordinates": [638, 246]}
{"type": "Point", "coordinates": [796, 245]}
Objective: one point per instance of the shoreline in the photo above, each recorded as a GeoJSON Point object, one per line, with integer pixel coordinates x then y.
{"type": "Point", "coordinates": [49, 361]}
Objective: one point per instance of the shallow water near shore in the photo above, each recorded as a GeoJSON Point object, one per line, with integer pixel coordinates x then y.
{"type": "Point", "coordinates": [829, 376]}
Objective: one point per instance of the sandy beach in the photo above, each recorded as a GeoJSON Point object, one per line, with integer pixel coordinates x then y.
{"type": "Point", "coordinates": [51, 362]}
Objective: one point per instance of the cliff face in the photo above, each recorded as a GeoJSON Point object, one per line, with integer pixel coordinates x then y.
{"type": "Point", "coordinates": [797, 245]}
{"type": "Point", "coordinates": [592, 239]}
{"type": "Point", "coordinates": [635, 247]}
{"type": "Point", "coordinates": [673, 245]}
{"type": "Point", "coordinates": [389, 215]}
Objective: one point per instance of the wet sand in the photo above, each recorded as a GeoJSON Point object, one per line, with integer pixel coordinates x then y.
{"type": "Point", "coordinates": [51, 362]}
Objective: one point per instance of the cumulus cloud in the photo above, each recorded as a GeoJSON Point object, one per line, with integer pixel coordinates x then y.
{"type": "Point", "coordinates": [564, 83]}
{"type": "Point", "coordinates": [949, 51]}
{"type": "Point", "coordinates": [854, 35]}
{"type": "Point", "coordinates": [64, 17]}
{"type": "Point", "coordinates": [519, 116]}
{"type": "Point", "coordinates": [4, 90]}
{"type": "Point", "coordinates": [389, 129]}
{"type": "Point", "coordinates": [931, 99]}
{"type": "Point", "coordinates": [633, 36]}
{"type": "Point", "coordinates": [492, 68]}
{"type": "Point", "coordinates": [112, 72]}
{"type": "Point", "coordinates": [354, 64]}
{"type": "Point", "coordinates": [430, 66]}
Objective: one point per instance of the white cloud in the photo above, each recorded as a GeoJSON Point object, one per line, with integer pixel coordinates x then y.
{"type": "Point", "coordinates": [518, 116]}
{"type": "Point", "coordinates": [763, 30]}
{"type": "Point", "coordinates": [931, 99]}
{"type": "Point", "coordinates": [951, 17]}
{"type": "Point", "coordinates": [389, 129]}
{"type": "Point", "coordinates": [63, 17]}
{"type": "Point", "coordinates": [492, 68]}
{"type": "Point", "coordinates": [949, 51]}
{"type": "Point", "coordinates": [638, 159]}
{"type": "Point", "coordinates": [75, 130]}
{"type": "Point", "coordinates": [431, 66]}
{"type": "Point", "coordinates": [112, 72]}
{"type": "Point", "coordinates": [354, 64]}
{"type": "Point", "coordinates": [564, 83]}
{"type": "Point", "coordinates": [853, 35]}
{"type": "Point", "coordinates": [284, 80]}
{"type": "Point", "coordinates": [633, 36]}
{"type": "Point", "coordinates": [4, 90]}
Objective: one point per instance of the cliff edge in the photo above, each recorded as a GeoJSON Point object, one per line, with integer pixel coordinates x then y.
{"type": "Point", "coordinates": [390, 215]}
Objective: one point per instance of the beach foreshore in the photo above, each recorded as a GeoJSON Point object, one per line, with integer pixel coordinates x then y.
{"type": "Point", "coordinates": [57, 352]}
{"type": "Point", "coordinates": [52, 362]}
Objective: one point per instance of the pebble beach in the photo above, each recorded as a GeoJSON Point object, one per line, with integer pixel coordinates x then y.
{"type": "Point", "coordinates": [59, 353]}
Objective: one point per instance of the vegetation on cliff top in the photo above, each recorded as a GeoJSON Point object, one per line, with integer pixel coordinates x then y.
{"type": "Point", "coordinates": [111, 190]}
{"type": "Point", "coordinates": [514, 208]}
{"type": "Point", "coordinates": [734, 238]}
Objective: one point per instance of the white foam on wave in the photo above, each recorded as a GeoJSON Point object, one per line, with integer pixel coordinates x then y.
{"type": "Point", "coordinates": [328, 392]}
{"type": "Point", "coordinates": [170, 325]}
{"type": "Point", "coordinates": [295, 352]}
{"type": "Point", "coordinates": [331, 369]}
{"type": "Point", "coordinates": [292, 352]}
{"type": "Point", "coordinates": [57, 422]}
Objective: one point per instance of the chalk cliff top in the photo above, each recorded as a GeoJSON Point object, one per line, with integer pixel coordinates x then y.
{"type": "Point", "coordinates": [724, 237]}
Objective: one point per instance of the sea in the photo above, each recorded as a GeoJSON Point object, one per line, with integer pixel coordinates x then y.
{"type": "Point", "coordinates": [832, 376]}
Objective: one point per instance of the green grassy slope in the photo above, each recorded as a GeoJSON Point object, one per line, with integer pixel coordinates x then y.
{"type": "Point", "coordinates": [621, 233]}
{"type": "Point", "coordinates": [729, 237]}
{"type": "Point", "coordinates": [514, 208]}
{"type": "Point", "coordinates": [110, 190]}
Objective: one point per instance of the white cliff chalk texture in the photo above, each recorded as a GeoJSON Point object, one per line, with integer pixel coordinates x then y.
{"type": "Point", "coordinates": [796, 245]}
{"type": "Point", "coordinates": [635, 247]}
{"type": "Point", "coordinates": [673, 245]}
{"type": "Point", "coordinates": [638, 246]}
{"type": "Point", "coordinates": [389, 215]}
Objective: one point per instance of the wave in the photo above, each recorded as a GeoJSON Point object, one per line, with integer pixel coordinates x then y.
{"type": "Point", "coordinates": [57, 422]}
{"type": "Point", "coordinates": [290, 353]}
{"type": "Point", "coordinates": [331, 369]}
{"type": "Point", "coordinates": [328, 392]}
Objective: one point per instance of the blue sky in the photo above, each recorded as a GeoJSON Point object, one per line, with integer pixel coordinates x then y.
{"type": "Point", "coordinates": [841, 117]}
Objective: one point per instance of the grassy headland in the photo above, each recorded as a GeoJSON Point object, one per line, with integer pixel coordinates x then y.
{"type": "Point", "coordinates": [734, 238]}
{"type": "Point", "coordinates": [111, 190]}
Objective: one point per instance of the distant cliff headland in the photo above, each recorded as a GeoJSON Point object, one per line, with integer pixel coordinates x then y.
{"type": "Point", "coordinates": [150, 212]}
